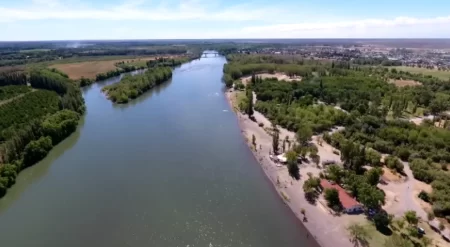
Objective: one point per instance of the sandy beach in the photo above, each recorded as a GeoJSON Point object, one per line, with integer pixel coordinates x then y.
{"type": "Point", "coordinates": [328, 230]}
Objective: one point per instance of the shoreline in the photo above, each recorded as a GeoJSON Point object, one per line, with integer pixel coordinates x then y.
{"type": "Point", "coordinates": [290, 191]}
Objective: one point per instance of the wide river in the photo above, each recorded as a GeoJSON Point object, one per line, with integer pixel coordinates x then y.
{"type": "Point", "coordinates": [168, 169]}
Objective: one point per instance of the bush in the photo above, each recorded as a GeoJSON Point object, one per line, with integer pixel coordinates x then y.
{"type": "Point", "coordinates": [394, 163]}
{"type": "Point", "coordinates": [37, 150]}
{"type": "Point", "coordinates": [430, 216]}
{"type": "Point", "coordinates": [424, 196]}
{"type": "Point", "coordinates": [261, 125]}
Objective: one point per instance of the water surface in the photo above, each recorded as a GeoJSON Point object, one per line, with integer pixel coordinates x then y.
{"type": "Point", "coordinates": [168, 169]}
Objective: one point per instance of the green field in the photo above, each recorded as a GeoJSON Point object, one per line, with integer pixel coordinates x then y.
{"type": "Point", "coordinates": [443, 75]}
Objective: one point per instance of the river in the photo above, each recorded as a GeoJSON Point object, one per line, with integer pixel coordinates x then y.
{"type": "Point", "coordinates": [168, 169]}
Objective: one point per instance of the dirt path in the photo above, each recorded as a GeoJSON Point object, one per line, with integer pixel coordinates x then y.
{"type": "Point", "coordinates": [402, 197]}
{"type": "Point", "coordinates": [4, 102]}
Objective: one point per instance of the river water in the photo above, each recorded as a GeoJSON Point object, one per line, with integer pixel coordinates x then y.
{"type": "Point", "coordinates": [168, 169]}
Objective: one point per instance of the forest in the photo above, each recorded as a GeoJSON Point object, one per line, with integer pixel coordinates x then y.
{"type": "Point", "coordinates": [128, 67]}
{"type": "Point", "coordinates": [8, 92]}
{"type": "Point", "coordinates": [373, 111]}
{"type": "Point", "coordinates": [130, 87]}
{"type": "Point", "coordinates": [30, 126]}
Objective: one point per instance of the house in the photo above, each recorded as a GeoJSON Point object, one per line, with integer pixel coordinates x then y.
{"type": "Point", "coordinates": [350, 205]}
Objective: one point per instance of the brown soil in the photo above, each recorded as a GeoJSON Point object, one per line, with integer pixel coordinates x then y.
{"type": "Point", "coordinates": [404, 83]}
{"type": "Point", "coordinates": [390, 176]}
{"type": "Point", "coordinates": [279, 76]}
{"type": "Point", "coordinates": [91, 68]}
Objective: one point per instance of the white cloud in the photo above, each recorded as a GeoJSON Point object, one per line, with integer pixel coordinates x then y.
{"type": "Point", "coordinates": [133, 10]}
{"type": "Point", "coordinates": [368, 23]}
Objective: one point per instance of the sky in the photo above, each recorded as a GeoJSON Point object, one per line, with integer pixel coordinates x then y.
{"type": "Point", "coordinates": [222, 19]}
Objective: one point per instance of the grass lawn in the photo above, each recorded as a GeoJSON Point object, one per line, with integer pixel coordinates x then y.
{"type": "Point", "coordinates": [443, 75]}
{"type": "Point", "coordinates": [376, 239]}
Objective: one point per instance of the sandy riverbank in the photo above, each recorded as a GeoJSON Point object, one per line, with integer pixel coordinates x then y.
{"type": "Point", "coordinates": [328, 230]}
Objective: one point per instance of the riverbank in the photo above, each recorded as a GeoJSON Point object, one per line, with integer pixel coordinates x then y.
{"type": "Point", "coordinates": [326, 229]}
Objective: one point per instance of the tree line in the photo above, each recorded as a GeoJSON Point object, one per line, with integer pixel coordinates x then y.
{"type": "Point", "coordinates": [30, 126]}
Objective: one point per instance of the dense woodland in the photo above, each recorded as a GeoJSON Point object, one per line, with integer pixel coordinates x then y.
{"type": "Point", "coordinates": [9, 92]}
{"type": "Point", "coordinates": [128, 67]}
{"type": "Point", "coordinates": [373, 111]}
{"type": "Point", "coordinates": [130, 87]}
{"type": "Point", "coordinates": [31, 125]}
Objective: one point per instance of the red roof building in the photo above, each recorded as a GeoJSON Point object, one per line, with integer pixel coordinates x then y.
{"type": "Point", "coordinates": [349, 203]}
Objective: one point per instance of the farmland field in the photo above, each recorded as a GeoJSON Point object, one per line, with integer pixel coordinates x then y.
{"type": "Point", "coordinates": [89, 69]}
{"type": "Point", "coordinates": [443, 75]}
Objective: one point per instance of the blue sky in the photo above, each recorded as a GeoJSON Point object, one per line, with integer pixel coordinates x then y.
{"type": "Point", "coordinates": [190, 19]}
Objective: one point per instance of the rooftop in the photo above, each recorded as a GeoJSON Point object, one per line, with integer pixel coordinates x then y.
{"type": "Point", "coordinates": [346, 200]}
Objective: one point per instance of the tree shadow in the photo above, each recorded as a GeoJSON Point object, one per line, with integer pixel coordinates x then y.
{"type": "Point", "coordinates": [385, 231]}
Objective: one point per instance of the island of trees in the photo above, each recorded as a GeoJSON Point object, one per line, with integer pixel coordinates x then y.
{"type": "Point", "coordinates": [38, 109]}
{"type": "Point", "coordinates": [131, 87]}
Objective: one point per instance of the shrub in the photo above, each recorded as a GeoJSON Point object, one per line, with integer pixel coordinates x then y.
{"type": "Point", "coordinates": [424, 196]}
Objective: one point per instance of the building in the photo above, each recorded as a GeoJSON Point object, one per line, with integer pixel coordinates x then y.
{"type": "Point", "coordinates": [350, 205]}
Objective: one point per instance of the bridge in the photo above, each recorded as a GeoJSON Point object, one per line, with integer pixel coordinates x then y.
{"type": "Point", "coordinates": [206, 53]}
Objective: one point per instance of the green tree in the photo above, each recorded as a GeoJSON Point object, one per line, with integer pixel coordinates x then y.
{"type": "Point", "coordinates": [37, 150]}
{"type": "Point", "coordinates": [411, 217]}
{"type": "Point", "coordinates": [275, 139]}
{"type": "Point", "coordinates": [370, 196]}
{"type": "Point", "coordinates": [392, 162]}
{"type": "Point", "coordinates": [381, 219]}
{"type": "Point", "coordinates": [373, 175]}
{"type": "Point", "coordinates": [373, 157]}
{"type": "Point", "coordinates": [332, 198]}
{"type": "Point", "coordinates": [335, 173]}
{"type": "Point", "coordinates": [249, 109]}
{"type": "Point", "coordinates": [358, 235]}
{"type": "Point", "coordinates": [311, 187]}
{"type": "Point", "coordinates": [304, 134]}
{"type": "Point", "coordinates": [292, 165]}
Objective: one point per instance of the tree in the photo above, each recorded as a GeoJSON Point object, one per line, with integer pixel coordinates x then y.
{"type": "Point", "coordinates": [37, 150]}
{"type": "Point", "coordinates": [275, 139]}
{"type": "Point", "coordinates": [411, 217]}
{"type": "Point", "coordinates": [358, 235]}
{"type": "Point", "coordinates": [316, 159]}
{"type": "Point", "coordinates": [249, 109]}
{"type": "Point", "coordinates": [381, 219]}
{"type": "Point", "coordinates": [392, 162]}
{"type": "Point", "coordinates": [373, 175]}
{"type": "Point", "coordinates": [304, 134]}
{"type": "Point", "coordinates": [397, 241]}
{"type": "Point", "coordinates": [292, 165]}
{"type": "Point", "coordinates": [311, 188]}
{"type": "Point", "coordinates": [335, 173]}
{"type": "Point", "coordinates": [373, 157]}
{"type": "Point", "coordinates": [370, 196]}
{"type": "Point", "coordinates": [332, 198]}
{"type": "Point", "coordinates": [254, 140]}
